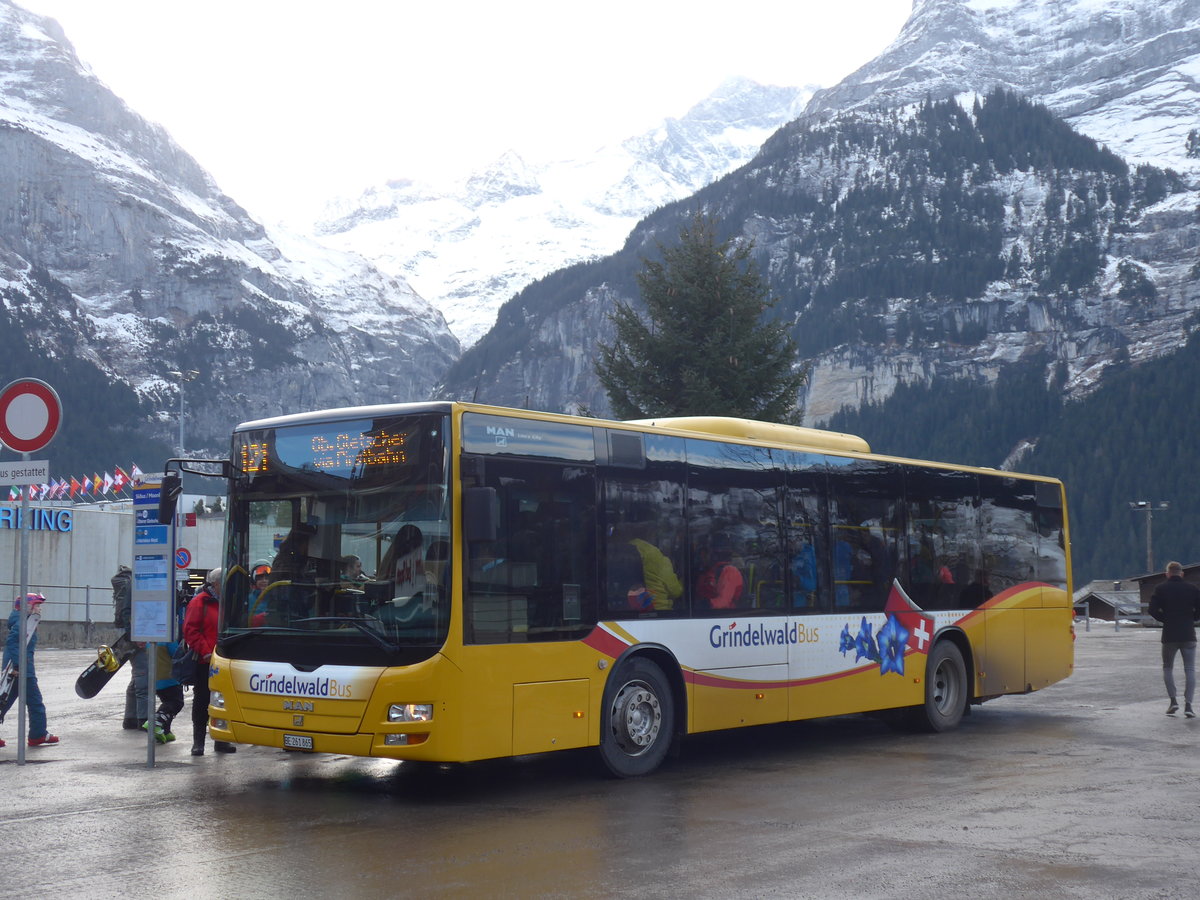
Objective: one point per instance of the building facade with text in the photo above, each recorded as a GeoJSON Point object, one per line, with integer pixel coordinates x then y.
{"type": "Point", "coordinates": [74, 550]}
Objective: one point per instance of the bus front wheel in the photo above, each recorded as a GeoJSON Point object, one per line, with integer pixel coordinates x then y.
{"type": "Point", "coordinates": [637, 719]}
{"type": "Point", "coordinates": [945, 688]}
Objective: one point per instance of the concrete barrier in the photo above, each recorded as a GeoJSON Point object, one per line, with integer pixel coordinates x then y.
{"type": "Point", "coordinates": [69, 635]}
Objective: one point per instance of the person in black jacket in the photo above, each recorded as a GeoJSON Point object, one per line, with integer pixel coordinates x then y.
{"type": "Point", "coordinates": [1176, 603]}
{"type": "Point", "coordinates": [135, 693]}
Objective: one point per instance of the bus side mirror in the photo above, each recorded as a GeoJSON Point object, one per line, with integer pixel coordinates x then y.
{"type": "Point", "coordinates": [168, 496]}
{"type": "Point", "coordinates": [480, 513]}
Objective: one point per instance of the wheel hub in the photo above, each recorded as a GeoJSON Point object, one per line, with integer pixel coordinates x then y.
{"type": "Point", "coordinates": [637, 718]}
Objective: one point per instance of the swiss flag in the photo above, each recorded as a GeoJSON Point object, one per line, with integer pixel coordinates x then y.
{"type": "Point", "coordinates": [120, 479]}
{"type": "Point", "coordinates": [912, 617]}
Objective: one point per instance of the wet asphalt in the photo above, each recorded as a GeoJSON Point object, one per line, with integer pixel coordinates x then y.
{"type": "Point", "coordinates": [1085, 789]}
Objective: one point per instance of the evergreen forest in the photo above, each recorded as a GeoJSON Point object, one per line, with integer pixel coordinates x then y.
{"type": "Point", "coordinates": [1132, 439]}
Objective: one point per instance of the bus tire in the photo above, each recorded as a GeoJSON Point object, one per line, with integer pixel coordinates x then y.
{"type": "Point", "coordinates": [637, 719]}
{"type": "Point", "coordinates": [945, 688]}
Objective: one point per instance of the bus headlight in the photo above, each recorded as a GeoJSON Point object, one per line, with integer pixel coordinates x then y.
{"type": "Point", "coordinates": [410, 712]}
{"type": "Point", "coordinates": [217, 699]}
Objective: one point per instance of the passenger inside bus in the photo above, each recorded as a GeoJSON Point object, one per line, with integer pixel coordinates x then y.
{"type": "Point", "coordinates": [352, 570]}
{"type": "Point", "coordinates": [292, 561]}
{"type": "Point", "coordinates": [659, 587]}
{"type": "Point", "coordinates": [260, 574]}
{"type": "Point", "coordinates": [396, 564]}
{"type": "Point", "coordinates": [804, 575]}
{"type": "Point", "coordinates": [437, 565]}
{"type": "Point", "coordinates": [721, 584]}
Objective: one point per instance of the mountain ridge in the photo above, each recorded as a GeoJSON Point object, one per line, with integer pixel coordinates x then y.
{"type": "Point", "coordinates": [1092, 325]}
{"type": "Point", "coordinates": [471, 243]}
{"type": "Point", "coordinates": [161, 271]}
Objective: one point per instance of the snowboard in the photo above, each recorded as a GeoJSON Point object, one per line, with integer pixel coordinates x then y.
{"type": "Point", "coordinates": [109, 661]}
{"type": "Point", "coordinates": [10, 685]}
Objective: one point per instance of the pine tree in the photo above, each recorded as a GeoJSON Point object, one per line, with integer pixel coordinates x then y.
{"type": "Point", "coordinates": [705, 348]}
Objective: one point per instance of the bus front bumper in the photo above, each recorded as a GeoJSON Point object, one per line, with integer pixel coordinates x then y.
{"type": "Point", "coordinates": [408, 745]}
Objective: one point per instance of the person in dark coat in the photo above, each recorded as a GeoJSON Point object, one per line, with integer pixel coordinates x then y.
{"type": "Point", "coordinates": [1176, 603]}
{"type": "Point", "coordinates": [135, 693]}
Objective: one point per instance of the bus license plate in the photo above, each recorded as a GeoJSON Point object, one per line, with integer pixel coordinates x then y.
{"type": "Point", "coordinates": [297, 742]}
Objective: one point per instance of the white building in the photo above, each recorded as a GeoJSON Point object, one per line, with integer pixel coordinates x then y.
{"type": "Point", "coordinates": [75, 549]}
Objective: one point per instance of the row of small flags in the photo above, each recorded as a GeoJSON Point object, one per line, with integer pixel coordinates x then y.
{"type": "Point", "coordinates": [80, 488]}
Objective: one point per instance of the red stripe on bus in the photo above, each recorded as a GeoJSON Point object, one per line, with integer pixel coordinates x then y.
{"type": "Point", "coordinates": [603, 641]}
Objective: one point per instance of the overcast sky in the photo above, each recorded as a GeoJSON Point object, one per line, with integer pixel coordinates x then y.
{"type": "Point", "coordinates": [289, 102]}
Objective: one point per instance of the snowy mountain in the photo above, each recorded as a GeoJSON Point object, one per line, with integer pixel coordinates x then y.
{"type": "Point", "coordinates": [121, 253]}
{"type": "Point", "coordinates": [471, 244]}
{"type": "Point", "coordinates": [1125, 73]}
{"type": "Point", "coordinates": [908, 241]}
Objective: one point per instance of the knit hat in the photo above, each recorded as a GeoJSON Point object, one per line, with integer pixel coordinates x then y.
{"type": "Point", "coordinates": [33, 600]}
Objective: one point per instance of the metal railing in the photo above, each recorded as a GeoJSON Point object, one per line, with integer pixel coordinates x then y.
{"type": "Point", "coordinates": [85, 604]}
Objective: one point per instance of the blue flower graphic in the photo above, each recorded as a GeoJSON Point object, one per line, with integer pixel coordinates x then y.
{"type": "Point", "coordinates": [847, 642]}
{"type": "Point", "coordinates": [893, 638]}
{"type": "Point", "coordinates": [864, 644]}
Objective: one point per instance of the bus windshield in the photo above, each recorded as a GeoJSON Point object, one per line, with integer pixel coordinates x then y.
{"type": "Point", "coordinates": [339, 541]}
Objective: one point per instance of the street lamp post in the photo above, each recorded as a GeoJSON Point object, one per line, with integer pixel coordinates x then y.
{"type": "Point", "coordinates": [183, 378]}
{"type": "Point", "coordinates": [1148, 508]}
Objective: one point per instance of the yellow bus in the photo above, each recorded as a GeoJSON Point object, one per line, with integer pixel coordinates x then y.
{"type": "Point", "coordinates": [453, 582]}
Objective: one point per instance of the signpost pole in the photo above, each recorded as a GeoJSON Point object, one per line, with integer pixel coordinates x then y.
{"type": "Point", "coordinates": [30, 413]}
{"type": "Point", "coordinates": [23, 619]}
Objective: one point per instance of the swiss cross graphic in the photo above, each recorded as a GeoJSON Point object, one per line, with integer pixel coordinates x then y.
{"type": "Point", "coordinates": [920, 634]}
{"type": "Point", "coordinates": [918, 624]}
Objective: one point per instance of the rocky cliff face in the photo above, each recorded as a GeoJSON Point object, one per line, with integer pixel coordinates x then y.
{"type": "Point", "coordinates": [159, 270]}
{"type": "Point", "coordinates": [1119, 75]}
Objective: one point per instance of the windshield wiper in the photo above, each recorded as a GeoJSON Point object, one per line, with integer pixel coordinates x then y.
{"type": "Point", "coordinates": [229, 640]}
{"type": "Point", "coordinates": [382, 642]}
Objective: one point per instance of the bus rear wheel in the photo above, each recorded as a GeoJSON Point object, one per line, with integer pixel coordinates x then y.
{"type": "Point", "coordinates": [637, 721]}
{"type": "Point", "coordinates": [945, 688]}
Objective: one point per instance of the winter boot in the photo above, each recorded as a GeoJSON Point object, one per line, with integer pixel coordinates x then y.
{"type": "Point", "coordinates": [198, 743]}
{"type": "Point", "coordinates": [130, 723]}
{"type": "Point", "coordinates": [224, 747]}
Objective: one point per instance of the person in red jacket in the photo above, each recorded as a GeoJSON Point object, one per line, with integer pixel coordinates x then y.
{"type": "Point", "coordinates": [200, 632]}
{"type": "Point", "coordinates": [721, 584]}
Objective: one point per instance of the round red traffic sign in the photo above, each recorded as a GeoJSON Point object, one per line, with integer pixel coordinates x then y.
{"type": "Point", "coordinates": [30, 413]}
{"type": "Point", "coordinates": [183, 557]}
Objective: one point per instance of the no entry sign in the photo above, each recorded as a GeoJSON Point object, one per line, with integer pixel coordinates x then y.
{"type": "Point", "coordinates": [30, 413]}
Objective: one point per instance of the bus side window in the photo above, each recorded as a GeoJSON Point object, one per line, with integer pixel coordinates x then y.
{"type": "Point", "coordinates": [807, 543]}
{"type": "Point", "coordinates": [535, 581]}
{"type": "Point", "coordinates": [644, 511]}
{"type": "Point", "coordinates": [943, 539]}
{"type": "Point", "coordinates": [866, 515]}
{"type": "Point", "coordinates": [1008, 523]}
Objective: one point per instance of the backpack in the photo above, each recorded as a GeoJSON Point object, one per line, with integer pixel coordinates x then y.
{"type": "Point", "coordinates": [122, 597]}
{"type": "Point", "coordinates": [706, 587]}
{"type": "Point", "coordinates": [709, 584]}
{"type": "Point", "coordinates": [624, 572]}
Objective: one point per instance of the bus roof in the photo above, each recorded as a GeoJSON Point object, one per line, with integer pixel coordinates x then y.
{"type": "Point", "coordinates": [814, 439]}
{"type": "Point", "coordinates": [749, 429]}
{"type": "Point", "coordinates": [347, 412]}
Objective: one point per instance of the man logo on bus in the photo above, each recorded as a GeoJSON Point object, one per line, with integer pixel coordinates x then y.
{"type": "Point", "coordinates": [501, 434]}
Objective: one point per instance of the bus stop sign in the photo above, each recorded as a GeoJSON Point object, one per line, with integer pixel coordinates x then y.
{"type": "Point", "coordinates": [30, 413]}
